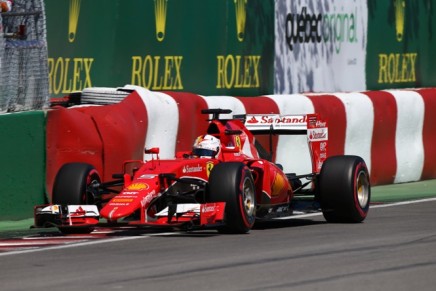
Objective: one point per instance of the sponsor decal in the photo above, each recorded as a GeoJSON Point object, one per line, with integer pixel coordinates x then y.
{"type": "Point", "coordinates": [320, 124]}
{"type": "Point", "coordinates": [209, 167]}
{"type": "Point", "coordinates": [157, 72]}
{"type": "Point", "coordinates": [253, 120]}
{"type": "Point", "coordinates": [192, 169]}
{"type": "Point", "coordinates": [138, 186]}
{"type": "Point", "coordinates": [241, 16]}
{"type": "Point", "coordinates": [271, 119]}
{"type": "Point", "coordinates": [323, 146]}
{"type": "Point", "coordinates": [199, 139]}
{"type": "Point", "coordinates": [78, 212]}
{"type": "Point", "coordinates": [278, 184]}
{"type": "Point", "coordinates": [400, 8]}
{"type": "Point", "coordinates": [397, 68]}
{"type": "Point", "coordinates": [312, 121]}
{"type": "Point", "coordinates": [73, 19]}
{"type": "Point", "coordinates": [160, 12]}
{"type": "Point", "coordinates": [318, 134]}
{"type": "Point", "coordinates": [122, 200]}
{"type": "Point", "coordinates": [326, 41]}
{"type": "Point", "coordinates": [68, 75]}
{"type": "Point", "coordinates": [337, 28]}
{"type": "Point", "coordinates": [130, 193]}
{"type": "Point", "coordinates": [147, 199]}
{"type": "Point", "coordinates": [238, 142]}
{"type": "Point", "coordinates": [112, 212]}
{"type": "Point", "coordinates": [238, 71]}
{"type": "Point", "coordinates": [208, 208]}
{"type": "Point", "coordinates": [53, 209]}
{"type": "Point", "coordinates": [147, 176]}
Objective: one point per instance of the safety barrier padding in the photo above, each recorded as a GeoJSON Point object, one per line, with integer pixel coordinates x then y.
{"type": "Point", "coordinates": [394, 130]}
{"type": "Point", "coordinates": [103, 136]}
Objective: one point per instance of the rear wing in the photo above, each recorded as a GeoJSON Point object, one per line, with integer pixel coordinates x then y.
{"type": "Point", "coordinates": [305, 124]}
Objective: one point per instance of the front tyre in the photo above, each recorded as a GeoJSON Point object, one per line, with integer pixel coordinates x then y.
{"type": "Point", "coordinates": [344, 189]}
{"type": "Point", "coordinates": [74, 185]}
{"type": "Point", "coordinates": [233, 183]}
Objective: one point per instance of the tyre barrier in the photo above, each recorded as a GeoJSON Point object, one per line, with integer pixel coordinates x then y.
{"type": "Point", "coordinates": [392, 130]}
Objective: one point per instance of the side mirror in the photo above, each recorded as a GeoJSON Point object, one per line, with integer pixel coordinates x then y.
{"type": "Point", "coordinates": [152, 151]}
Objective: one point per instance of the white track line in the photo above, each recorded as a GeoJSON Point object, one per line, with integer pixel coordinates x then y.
{"type": "Point", "coordinates": [102, 241]}
{"type": "Point", "coordinates": [371, 207]}
{"type": "Point", "coordinates": [404, 203]}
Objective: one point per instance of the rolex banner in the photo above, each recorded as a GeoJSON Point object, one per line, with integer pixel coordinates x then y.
{"type": "Point", "coordinates": [241, 47]}
{"type": "Point", "coordinates": [208, 47]}
{"type": "Point", "coordinates": [401, 44]}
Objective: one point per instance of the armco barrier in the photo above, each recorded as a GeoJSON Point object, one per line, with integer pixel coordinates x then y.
{"type": "Point", "coordinates": [22, 164]}
{"type": "Point", "coordinates": [392, 130]}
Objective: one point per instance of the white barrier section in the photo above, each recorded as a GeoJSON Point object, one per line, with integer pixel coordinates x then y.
{"type": "Point", "coordinates": [360, 123]}
{"type": "Point", "coordinates": [163, 121]}
{"type": "Point", "coordinates": [292, 150]}
{"type": "Point", "coordinates": [409, 141]}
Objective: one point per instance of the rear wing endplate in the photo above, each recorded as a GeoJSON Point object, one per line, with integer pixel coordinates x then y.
{"type": "Point", "coordinates": [310, 124]}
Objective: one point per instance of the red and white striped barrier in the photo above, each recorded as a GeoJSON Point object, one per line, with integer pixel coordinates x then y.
{"type": "Point", "coordinates": [394, 131]}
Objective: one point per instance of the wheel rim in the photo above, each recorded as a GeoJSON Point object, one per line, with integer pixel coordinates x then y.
{"type": "Point", "coordinates": [248, 197]}
{"type": "Point", "coordinates": [90, 195]}
{"type": "Point", "coordinates": [362, 189]}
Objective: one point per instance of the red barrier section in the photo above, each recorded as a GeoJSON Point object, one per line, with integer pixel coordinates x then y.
{"type": "Point", "coordinates": [332, 109]}
{"type": "Point", "coordinates": [122, 129]}
{"type": "Point", "coordinates": [191, 122]}
{"type": "Point", "coordinates": [103, 136]}
{"type": "Point", "coordinates": [383, 156]}
{"type": "Point", "coordinates": [71, 136]}
{"type": "Point", "coordinates": [429, 133]}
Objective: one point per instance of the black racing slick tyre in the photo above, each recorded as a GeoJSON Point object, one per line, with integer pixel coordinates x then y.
{"type": "Point", "coordinates": [73, 183]}
{"type": "Point", "coordinates": [233, 183]}
{"type": "Point", "coordinates": [344, 189]}
{"type": "Point", "coordinates": [73, 186]}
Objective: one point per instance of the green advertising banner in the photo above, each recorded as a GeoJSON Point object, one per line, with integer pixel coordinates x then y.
{"type": "Point", "coordinates": [214, 47]}
{"type": "Point", "coordinates": [401, 44]}
{"type": "Point", "coordinates": [22, 168]}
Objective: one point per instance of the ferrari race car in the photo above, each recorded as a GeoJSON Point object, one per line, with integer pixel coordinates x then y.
{"type": "Point", "coordinates": [227, 188]}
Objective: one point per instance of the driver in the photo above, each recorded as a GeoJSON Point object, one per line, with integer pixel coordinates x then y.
{"type": "Point", "coordinates": [206, 146]}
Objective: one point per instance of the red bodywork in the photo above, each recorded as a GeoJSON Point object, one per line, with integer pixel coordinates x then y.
{"type": "Point", "coordinates": [138, 203]}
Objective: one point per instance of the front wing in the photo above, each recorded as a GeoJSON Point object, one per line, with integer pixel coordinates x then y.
{"type": "Point", "coordinates": [184, 216]}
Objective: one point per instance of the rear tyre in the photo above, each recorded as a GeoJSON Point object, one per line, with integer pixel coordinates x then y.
{"type": "Point", "coordinates": [233, 183]}
{"type": "Point", "coordinates": [344, 189]}
{"type": "Point", "coordinates": [73, 186]}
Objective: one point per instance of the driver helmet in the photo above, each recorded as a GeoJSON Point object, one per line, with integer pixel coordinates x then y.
{"type": "Point", "coordinates": [206, 146]}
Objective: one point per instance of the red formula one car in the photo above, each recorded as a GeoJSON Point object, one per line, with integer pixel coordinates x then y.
{"type": "Point", "coordinates": [227, 182]}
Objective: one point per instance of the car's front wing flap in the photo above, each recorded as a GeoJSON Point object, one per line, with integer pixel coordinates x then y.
{"type": "Point", "coordinates": [65, 215]}
{"type": "Point", "coordinates": [185, 215]}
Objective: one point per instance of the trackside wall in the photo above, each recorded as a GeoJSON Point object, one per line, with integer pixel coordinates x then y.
{"type": "Point", "coordinates": [22, 170]}
{"type": "Point", "coordinates": [392, 130]}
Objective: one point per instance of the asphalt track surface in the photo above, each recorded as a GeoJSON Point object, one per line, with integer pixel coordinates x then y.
{"type": "Point", "coordinates": [394, 249]}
